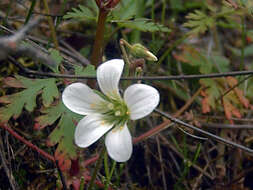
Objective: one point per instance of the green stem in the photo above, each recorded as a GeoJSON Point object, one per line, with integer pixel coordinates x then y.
{"type": "Point", "coordinates": [122, 42]}
{"type": "Point", "coordinates": [98, 164]}
{"type": "Point", "coordinates": [51, 25]}
{"type": "Point", "coordinates": [110, 175]}
{"type": "Point", "coordinates": [97, 52]}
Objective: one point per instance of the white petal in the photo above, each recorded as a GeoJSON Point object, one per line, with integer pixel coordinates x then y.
{"type": "Point", "coordinates": [108, 76]}
{"type": "Point", "coordinates": [119, 144]}
{"type": "Point", "coordinates": [141, 100]}
{"type": "Point", "coordinates": [90, 129]}
{"type": "Point", "coordinates": [81, 99]}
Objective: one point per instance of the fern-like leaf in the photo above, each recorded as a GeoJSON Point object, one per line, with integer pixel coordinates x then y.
{"type": "Point", "coordinates": [199, 22]}
{"type": "Point", "coordinates": [81, 13]}
{"type": "Point", "coordinates": [142, 24]}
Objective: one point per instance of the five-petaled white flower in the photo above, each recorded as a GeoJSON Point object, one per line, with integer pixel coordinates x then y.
{"type": "Point", "coordinates": [109, 112]}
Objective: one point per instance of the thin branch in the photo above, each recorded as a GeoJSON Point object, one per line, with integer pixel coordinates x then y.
{"type": "Point", "coordinates": [226, 126]}
{"type": "Point", "coordinates": [232, 88]}
{"type": "Point", "coordinates": [172, 77]}
{"type": "Point", "coordinates": [203, 132]}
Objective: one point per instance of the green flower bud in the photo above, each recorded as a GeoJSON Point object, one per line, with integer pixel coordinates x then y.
{"type": "Point", "coordinates": [139, 50]}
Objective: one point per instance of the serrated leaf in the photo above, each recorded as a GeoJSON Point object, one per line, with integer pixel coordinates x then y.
{"type": "Point", "coordinates": [63, 134]}
{"type": "Point", "coordinates": [56, 56]}
{"type": "Point", "coordinates": [212, 91]}
{"type": "Point", "coordinates": [142, 24]}
{"type": "Point", "coordinates": [127, 10]}
{"type": "Point", "coordinates": [27, 97]}
{"type": "Point", "coordinates": [230, 102]}
{"type": "Point", "coordinates": [81, 12]}
{"type": "Point", "coordinates": [199, 22]}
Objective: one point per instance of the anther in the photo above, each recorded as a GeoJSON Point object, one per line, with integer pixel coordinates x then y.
{"type": "Point", "coordinates": [117, 113]}
{"type": "Point", "coordinates": [110, 106]}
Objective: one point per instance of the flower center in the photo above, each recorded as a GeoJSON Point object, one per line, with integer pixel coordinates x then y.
{"type": "Point", "coordinates": [117, 112]}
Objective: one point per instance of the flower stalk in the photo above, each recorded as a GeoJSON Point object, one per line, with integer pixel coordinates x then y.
{"type": "Point", "coordinates": [97, 52]}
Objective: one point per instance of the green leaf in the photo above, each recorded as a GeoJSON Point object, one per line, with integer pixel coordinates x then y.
{"type": "Point", "coordinates": [82, 13]}
{"type": "Point", "coordinates": [143, 24]}
{"type": "Point", "coordinates": [199, 22]}
{"type": "Point", "coordinates": [176, 5]}
{"type": "Point", "coordinates": [89, 70]}
{"type": "Point", "coordinates": [63, 134]}
{"type": "Point", "coordinates": [27, 97]}
{"type": "Point", "coordinates": [56, 56]}
{"type": "Point", "coordinates": [127, 10]}
{"type": "Point", "coordinates": [213, 91]}
{"type": "Point", "coordinates": [221, 61]}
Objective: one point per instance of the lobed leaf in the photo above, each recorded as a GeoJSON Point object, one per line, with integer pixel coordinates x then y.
{"type": "Point", "coordinates": [63, 134]}
{"type": "Point", "coordinates": [143, 24]}
{"type": "Point", "coordinates": [27, 97]}
{"type": "Point", "coordinates": [81, 12]}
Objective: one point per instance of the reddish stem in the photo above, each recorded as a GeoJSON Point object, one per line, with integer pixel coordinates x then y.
{"type": "Point", "coordinates": [29, 144]}
{"type": "Point", "coordinates": [43, 153]}
{"type": "Point", "coordinates": [97, 52]}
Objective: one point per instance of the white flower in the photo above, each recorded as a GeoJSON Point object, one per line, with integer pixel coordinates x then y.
{"type": "Point", "coordinates": [109, 112]}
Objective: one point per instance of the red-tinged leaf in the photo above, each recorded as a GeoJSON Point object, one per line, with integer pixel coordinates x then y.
{"type": "Point", "coordinates": [205, 102]}
{"type": "Point", "coordinates": [63, 134]}
{"type": "Point", "coordinates": [239, 93]}
{"type": "Point", "coordinates": [63, 163]}
{"type": "Point", "coordinates": [49, 143]}
{"type": "Point", "coordinates": [230, 110]}
{"type": "Point", "coordinates": [5, 99]}
{"type": "Point", "coordinates": [236, 112]}
{"type": "Point", "coordinates": [227, 109]}
{"type": "Point", "coordinates": [242, 99]}
{"type": "Point", "coordinates": [13, 82]}
{"type": "Point", "coordinates": [205, 105]}
{"type": "Point", "coordinates": [27, 97]}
